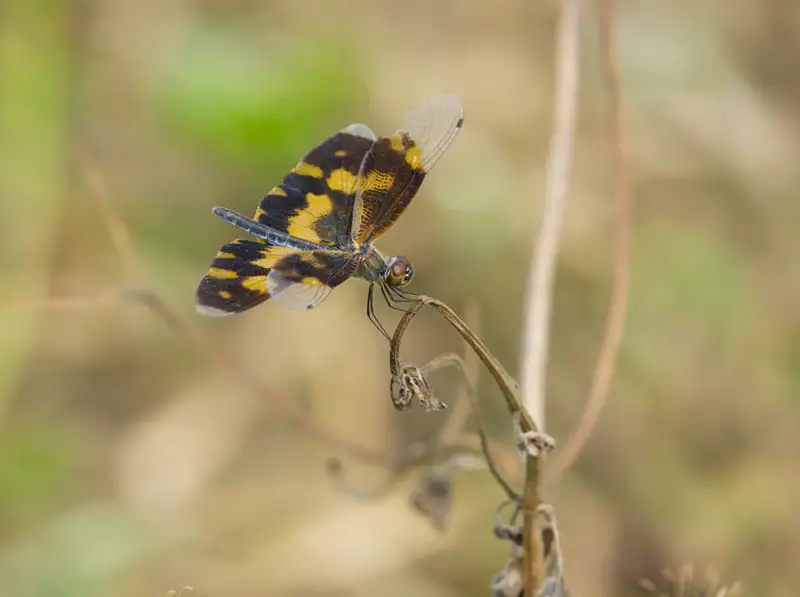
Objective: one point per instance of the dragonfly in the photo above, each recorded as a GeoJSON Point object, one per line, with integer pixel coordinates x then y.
{"type": "Point", "coordinates": [317, 228]}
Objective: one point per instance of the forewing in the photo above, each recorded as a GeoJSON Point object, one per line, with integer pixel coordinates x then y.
{"type": "Point", "coordinates": [394, 168]}
{"type": "Point", "coordinates": [315, 200]}
{"type": "Point", "coordinates": [303, 280]}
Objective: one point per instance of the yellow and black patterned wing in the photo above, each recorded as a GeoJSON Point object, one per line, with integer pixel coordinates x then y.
{"type": "Point", "coordinates": [394, 168]}
{"type": "Point", "coordinates": [315, 200]}
{"type": "Point", "coordinates": [245, 273]}
{"type": "Point", "coordinates": [237, 278]}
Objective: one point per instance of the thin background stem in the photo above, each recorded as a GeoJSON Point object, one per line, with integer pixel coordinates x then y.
{"type": "Point", "coordinates": [543, 262]}
{"type": "Point", "coordinates": [542, 273]}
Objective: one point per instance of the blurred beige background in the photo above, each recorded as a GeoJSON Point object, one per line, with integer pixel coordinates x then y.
{"type": "Point", "coordinates": [131, 465]}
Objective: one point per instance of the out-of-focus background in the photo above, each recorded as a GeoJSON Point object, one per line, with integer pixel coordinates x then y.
{"type": "Point", "coordinates": [130, 464]}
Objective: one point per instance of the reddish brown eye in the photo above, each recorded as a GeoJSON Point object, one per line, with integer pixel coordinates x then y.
{"type": "Point", "coordinates": [398, 271]}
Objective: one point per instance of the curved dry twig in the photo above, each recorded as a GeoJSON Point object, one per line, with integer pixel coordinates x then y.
{"type": "Point", "coordinates": [536, 331]}
{"type": "Point", "coordinates": [507, 385]}
{"type": "Point", "coordinates": [118, 230]}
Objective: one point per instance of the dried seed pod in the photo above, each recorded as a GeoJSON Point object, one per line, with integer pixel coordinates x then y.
{"type": "Point", "coordinates": [408, 384]}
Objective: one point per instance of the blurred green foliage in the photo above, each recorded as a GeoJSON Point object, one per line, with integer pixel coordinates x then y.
{"type": "Point", "coordinates": [253, 106]}
{"type": "Point", "coordinates": [33, 473]}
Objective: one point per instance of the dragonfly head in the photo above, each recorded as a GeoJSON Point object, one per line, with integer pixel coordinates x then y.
{"type": "Point", "coordinates": [398, 272]}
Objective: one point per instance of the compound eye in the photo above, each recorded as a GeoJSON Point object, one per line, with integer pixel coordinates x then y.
{"type": "Point", "coordinates": [399, 272]}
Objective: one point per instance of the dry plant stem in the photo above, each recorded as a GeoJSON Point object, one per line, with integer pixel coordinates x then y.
{"type": "Point", "coordinates": [533, 569]}
{"type": "Point", "coordinates": [618, 301]}
{"type": "Point", "coordinates": [534, 574]}
{"type": "Point", "coordinates": [541, 275]}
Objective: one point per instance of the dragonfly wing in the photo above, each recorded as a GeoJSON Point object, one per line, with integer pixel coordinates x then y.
{"type": "Point", "coordinates": [394, 168]}
{"type": "Point", "coordinates": [315, 200]}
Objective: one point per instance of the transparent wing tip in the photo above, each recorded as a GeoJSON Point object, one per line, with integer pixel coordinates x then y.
{"type": "Point", "coordinates": [211, 311]}
{"type": "Point", "coordinates": [449, 102]}
{"type": "Point", "coordinates": [447, 106]}
{"type": "Point", "coordinates": [434, 125]}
